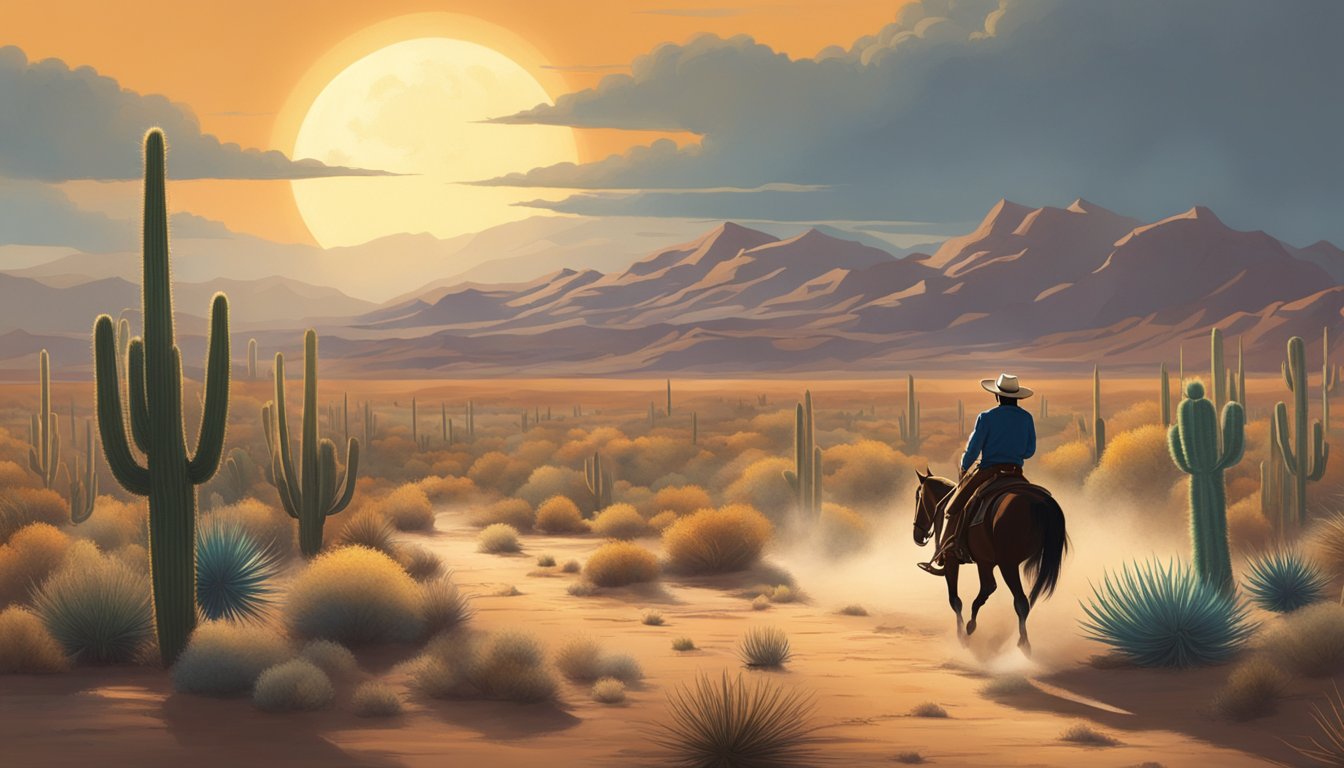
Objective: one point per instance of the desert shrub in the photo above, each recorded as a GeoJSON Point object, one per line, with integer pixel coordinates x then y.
{"type": "Point", "coordinates": [620, 666]}
{"type": "Point", "coordinates": [234, 573]}
{"type": "Point", "coordinates": [97, 608]}
{"type": "Point", "coordinates": [571, 566]}
{"type": "Point", "coordinates": [548, 481]}
{"type": "Point", "coordinates": [1069, 463]}
{"type": "Point", "coordinates": [1327, 543]}
{"type": "Point", "coordinates": [515, 512]}
{"type": "Point", "coordinates": [1283, 581]}
{"type": "Point", "coordinates": [332, 658]}
{"type": "Point", "coordinates": [662, 520]}
{"type": "Point", "coordinates": [1138, 453]}
{"type": "Point", "coordinates": [683, 644]}
{"type": "Point", "coordinates": [1007, 685]}
{"type": "Point", "coordinates": [1252, 690]}
{"type": "Point", "coordinates": [408, 509]}
{"type": "Point", "coordinates": [681, 500]}
{"type": "Point", "coordinates": [765, 648]}
{"type": "Point", "coordinates": [582, 660]}
{"type": "Point", "coordinates": [447, 488]}
{"type": "Point", "coordinates": [735, 723]}
{"type": "Point", "coordinates": [295, 685]}
{"type": "Point", "coordinates": [618, 563]}
{"type": "Point", "coordinates": [22, 506]}
{"type": "Point", "coordinates": [911, 757]}
{"type": "Point", "coordinates": [30, 555]}
{"type": "Point", "coordinates": [1085, 735]}
{"type": "Point", "coordinates": [375, 699]}
{"type": "Point", "coordinates": [652, 619]}
{"type": "Point", "coordinates": [1327, 746]}
{"type": "Point", "coordinates": [843, 531]}
{"type": "Point", "coordinates": [1165, 616]}
{"type": "Point", "coordinates": [134, 556]}
{"type": "Point", "coordinates": [560, 515]}
{"type": "Point", "coordinates": [760, 602]}
{"type": "Point", "coordinates": [355, 596]}
{"type": "Point", "coordinates": [582, 589]}
{"type": "Point", "coordinates": [26, 647]}
{"type": "Point", "coordinates": [508, 666]}
{"type": "Point", "coordinates": [866, 473]}
{"type": "Point", "coordinates": [267, 525]}
{"type": "Point", "coordinates": [717, 541]}
{"type": "Point", "coordinates": [620, 521]}
{"type": "Point", "coordinates": [224, 658]}
{"type": "Point", "coordinates": [783, 594]}
{"type": "Point", "coordinates": [928, 709]}
{"type": "Point", "coordinates": [1309, 641]}
{"type": "Point", "coordinates": [499, 539]}
{"type": "Point", "coordinates": [545, 561]}
{"type": "Point", "coordinates": [11, 474]}
{"type": "Point", "coordinates": [498, 472]}
{"type": "Point", "coordinates": [762, 486]}
{"type": "Point", "coordinates": [854, 610]}
{"type": "Point", "coordinates": [444, 606]}
{"type": "Point", "coordinates": [419, 563]}
{"type": "Point", "coordinates": [608, 690]}
{"type": "Point", "coordinates": [369, 529]}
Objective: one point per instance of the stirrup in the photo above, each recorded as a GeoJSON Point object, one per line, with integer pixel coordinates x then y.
{"type": "Point", "coordinates": [936, 570]}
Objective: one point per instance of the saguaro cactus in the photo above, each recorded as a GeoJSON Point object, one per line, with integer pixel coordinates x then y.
{"type": "Point", "coordinates": [44, 438]}
{"type": "Point", "coordinates": [1241, 374]}
{"type": "Point", "coordinates": [319, 491]}
{"type": "Point", "coordinates": [154, 402]}
{"type": "Point", "coordinates": [1196, 450]}
{"type": "Point", "coordinates": [1164, 396]}
{"type": "Point", "coordinates": [84, 480]}
{"type": "Point", "coordinates": [1217, 372]}
{"type": "Point", "coordinates": [1329, 378]}
{"type": "Point", "coordinates": [1303, 466]}
{"type": "Point", "coordinates": [1098, 423]}
{"type": "Point", "coordinates": [252, 359]}
{"type": "Point", "coordinates": [805, 477]}
{"type": "Point", "coordinates": [471, 420]}
{"type": "Point", "coordinates": [598, 481]}
{"type": "Point", "coordinates": [909, 421]}
{"type": "Point", "coordinates": [370, 425]}
{"type": "Point", "coordinates": [1275, 492]}
{"type": "Point", "coordinates": [669, 397]}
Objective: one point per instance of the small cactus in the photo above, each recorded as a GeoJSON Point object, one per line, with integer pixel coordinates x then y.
{"type": "Point", "coordinates": [1164, 396]}
{"type": "Point", "coordinates": [805, 477]}
{"type": "Point", "coordinates": [1217, 372]}
{"type": "Point", "coordinates": [695, 428]}
{"type": "Point", "coordinates": [252, 359]}
{"type": "Point", "coordinates": [1098, 423]}
{"type": "Point", "coordinates": [1303, 463]}
{"type": "Point", "coordinates": [1197, 451]}
{"type": "Point", "coordinates": [598, 481]}
{"type": "Point", "coordinates": [910, 421]}
{"type": "Point", "coordinates": [44, 438]}
{"type": "Point", "coordinates": [84, 480]}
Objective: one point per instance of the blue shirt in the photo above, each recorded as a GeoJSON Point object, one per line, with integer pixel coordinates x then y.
{"type": "Point", "coordinates": [1005, 434]}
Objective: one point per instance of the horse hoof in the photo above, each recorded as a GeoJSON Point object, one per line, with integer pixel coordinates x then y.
{"type": "Point", "coordinates": [970, 627]}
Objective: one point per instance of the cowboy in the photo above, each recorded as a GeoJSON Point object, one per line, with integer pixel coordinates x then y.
{"type": "Point", "coordinates": [1004, 437]}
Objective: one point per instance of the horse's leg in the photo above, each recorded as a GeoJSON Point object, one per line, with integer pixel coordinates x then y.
{"type": "Point", "coordinates": [954, 599]}
{"type": "Point", "coordinates": [1013, 580]}
{"type": "Point", "coordinates": [987, 587]}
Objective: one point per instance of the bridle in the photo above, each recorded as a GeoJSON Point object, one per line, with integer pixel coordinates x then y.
{"type": "Point", "coordinates": [928, 523]}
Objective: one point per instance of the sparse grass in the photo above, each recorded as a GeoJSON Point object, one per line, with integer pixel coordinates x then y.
{"type": "Point", "coordinates": [653, 619]}
{"type": "Point", "coordinates": [368, 528]}
{"type": "Point", "coordinates": [508, 667]}
{"type": "Point", "coordinates": [1326, 747]}
{"type": "Point", "coordinates": [1252, 690]}
{"type": "Point", "coordinates": [420, 563]}
{"type": "Point", "coordinates": [760, 603]}
{"type": "Point", "coordinates": [97, 608]}
{"type": "Point", "coordinates": [582, 589]}
{"type": "Point", "coordinates": [545, 561]}
{"type": "Point", "coordinates": [618, 563]}
{"type": "Point", "coordinates": [1007, 685]}
{"type": "Point", "coordinates": [928, 709]}
{"type": "Point", "coordinates": [558, 515]}
{"type": "Point", "coordinates": [499, 539]}
{"type": "Point", "coordinates": [571, 566]}
{"type": "Point", "coordinates": [765, 648]}
{"type": "Point", "coordinates": [508, 591]}
{"type": "Point", "coordinates": [444, 605]}
{"type": "Point", "coordinates": [731, 722]}
{"type": "Point", "coordinates": [375, 699]}
{"type": "Point", "coordinates": [408, 509]}
{"type": "Point", "coordinates": [1310, 641]}
{"type": "Point", "coordinates": [609, 690]}
{"type": "Point", "coordinates": [620, 521]}
{"type": "Point", "coordinates": [355, 596]}
{"type": "Point", "coordinates": [1086, 736]}
{"type": "Point", "coordinates": [684, 644]}
{"type": "Point", "coordinates": [717, 541]}
{"type": "Point", "coordinates": [223, 658]}
{"type": "Point", "coordinates": [295, 685]}
{"type": "Point", "coordinates": [582, 660]}
{"type": "Point", "coordinates": [333, 658]}
{"type": "Point", "coordinates": [26, 647]}
{"type": "Point", "coordinates": [854, 610]}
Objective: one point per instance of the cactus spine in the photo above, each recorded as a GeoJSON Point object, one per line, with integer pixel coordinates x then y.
{"type": "Point", "coordinates": [805, 477]}
{"type": "Point", "coordinates": [598, 481]}
{"type": "Point", "coordinates": [909, 421]}
{"type": "Point", "coordinates": [1098, 423]}
{"type": "Point", "coordinates": [316, 490]}
{"type": "Point", "coordinates": [154, 402]}
{"type": "Point", "coordinates": [1164, 396]}
{"type": "Point", "coordinates": [1303, 466]}
{"type": "Point", "coordinates": [1329, 378]}
{"type": "Point", "coordinates": [1195, 448]}
{"type": "Point", "coordinates": [44, 450]}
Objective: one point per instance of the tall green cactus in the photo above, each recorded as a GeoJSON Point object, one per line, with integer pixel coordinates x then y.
{"type": "Point", "coordinates": [1196, 450]}
{"type": "Point", "coordinates": [1164, 396]}
{"type": "Point", "coordinates": [252, 359]}
{"type": "Point", "coordinates": [1217, 371]}
{"type": "Point", "coordinates": [44, 438]}
{"type": "Point", "coordinates": [805, 477]}
{"type": "Point", "coordinates": [1329, 378]}
{"type": "Point", "coordinates": [1275, 492]}
{"type": "Point", "coordinates": [84, 480]}
{"type": "Point", "coordinates": [154, 404]}
{"type": "Point", "coordinates": [598, 481]}
{"type": "Point", "coordinates": [669, 397]}
{"type": "Point", "coordinates": [1303, 466]}
{"type": "Point", "coordinates": [910, 421]}
{"type": "Point", "coordinates": [1098, 423]}
{"type": "Point", "coordinates": [316, 490]}
{"type": "Point", "coordinates": [370, 425]}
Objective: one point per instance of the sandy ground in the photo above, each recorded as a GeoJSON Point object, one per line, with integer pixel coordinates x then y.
{"type": "Point", "coordinates": [866, 674]}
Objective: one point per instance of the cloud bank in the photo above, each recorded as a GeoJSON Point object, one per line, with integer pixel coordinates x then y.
{"type": "Point", "coordinates": [58, 123]}
{"type": "Point", "coordinates": [1145, 106]}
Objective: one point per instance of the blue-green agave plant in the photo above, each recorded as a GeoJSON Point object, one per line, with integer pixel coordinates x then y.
{"type": "Point", "coordinates": [1160, 615]}
{"type": "Point", "coordinates": [234, 572]}
{"type": "Point", "coordinates": [1283, 581]}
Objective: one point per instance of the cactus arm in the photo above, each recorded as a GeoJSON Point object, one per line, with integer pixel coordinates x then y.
{"type": "Point", "coordinates": [275, 471]}
{"type": "Point", "coordinates": [1177, 450]}
{"type": "Point", "coordinates": [1287, 376]}
{"type": "Point", "coordinates": [135, 392]}
{"type": "Point", "coordinates": [111, 423]}
{"type": "Point", "coordinates": [1320, 452]}
{"type": "Point", "coordinates": [1281, 434]}
{"type": "Point", "coordinates": [286, 463]}
{"type": "Point", "coordinates": [326, 474]}
{"type": "Point", "coordinates": [791, 478]}
{"type": "Point", "coordinates": [1234, 435]}
{"type": "Point", "coordinates": [215, 411]}
{"type": "Point", "coordinates": [83, 491]}
{"type": "Point", "coordinates": [347, 492]}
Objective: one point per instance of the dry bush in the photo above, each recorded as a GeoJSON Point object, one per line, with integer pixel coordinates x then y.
{"type": "Point", "coordinates": [30, 555]}
{"type": "Point", "coordinates": [369, 529]}
{"type": "Point", "coordinates": [447, 489]}
{"type": "Point", "coordinates": [843, 531]}
{"type": "Point", "coordinates": [609, 690]}
{"type": "Point", "coordinates": [548, 481]}
{"type": "Point", "coordinates": [765, 648]}
{"type": "Point", "coordinates": [1136, 468]}
{"type": "Point", "coordinates": [1068, 464]}
{"type": "Point", "coordinates": [115, 523]}
{"type": "Point", "coordinates": [867, 473]}
{"type": "Point", "coordinates": [355, 596]}
{"type": "Point", "coordinates": [571, 566]}
{"type": "Point", "coordinates": [1087, 736]}
{"type": "Point", "coordinates": [408, 509]}
{"type": "Point", "coordinates": [333, 658]}
{"type": "Point", "coordinates": [297, 685]}
{"type": "Point", "coordinates": [853, 609]}
{"type": "Point", "coordinates": [662, 520]}
{"type": "Point", "coordinates": [444, 606]}
{"type": "Point", "coordinates": [1243, 487]}
{"type": "Point", "coordinates": [1247, 528]}
{"type": "Point", "coordinates": [508, 667]}
{"type": "Point", "coordinates": [26, 647]}
{"type": "Point", "coordinates": [1309, 641]}
{"type": "Point", "coordinates": [23, 506]}
{"type": "Point", "coordinates": [717, 541]}
{"type": "Point", "coordinates": [620, 521]}
{"type": "Point", "coordinates": [269, 526]}
{"type": "Point", "coordinates": [515, 512]}
{"type": "Point", "coordinates": [1326, 543]}
{"type": "Point", "coordinates": [762, 486]}
{"type": "Point", "coordinates": [498, 472]}
{"type": "Point", "coordinates": [760, 603]}
{"type": "Point", "coordinates": [928, 709]}
{"type": "Point", "coordinates": [582, 660]}
{"type": "Point", "coordinates": [96, 607]}
{"type": "Point", "coordinates": [648, 458]}
{"type": "Point", "coordinates": [618, 563]}
{"type": "Point", "coordinates": [1252, 690]}
{"type": "Point", "coordinates": [560, 515]}
{"type": "Point", "coordinates": [420, 563]}
{"type": "Point", "coordinates": [1142, 413]}
{"type": "Point", "coordinates": [498, 539]}
{"type": "Point", "coordinates": [224, 658]}
{"type": "Point", "coordinates": [375, 699]}
{"type": "Point", "coordinates": [12, 475]}
{"type": "Point", "coordinates": [683, 644]}
{"type": "Point", "coordinates": [681, 500]}
{"type": "Point", "coordinates": [134, 556]}
{"type": "Point", "coordinates": [733, 723]}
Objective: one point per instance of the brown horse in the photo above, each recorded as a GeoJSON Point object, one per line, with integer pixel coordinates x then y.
{"type": "Point", "coordinates": [1022, 528]}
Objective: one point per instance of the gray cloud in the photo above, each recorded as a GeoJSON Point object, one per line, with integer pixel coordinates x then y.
{"type": "Point", "coordinates": [1146, 106]}
{"type": "Point", "coordinates": [59, 123]}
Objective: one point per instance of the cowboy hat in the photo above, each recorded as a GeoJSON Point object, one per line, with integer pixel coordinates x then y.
{"type": "Point", "coordinates": [1007, 386]}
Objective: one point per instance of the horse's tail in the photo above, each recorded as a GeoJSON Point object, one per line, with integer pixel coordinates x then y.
{"type": "Point", "coordinates": [1044, 565]}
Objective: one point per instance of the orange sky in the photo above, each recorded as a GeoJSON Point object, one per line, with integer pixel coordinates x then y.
{"type": "Point", "coordinates": [242, 65]}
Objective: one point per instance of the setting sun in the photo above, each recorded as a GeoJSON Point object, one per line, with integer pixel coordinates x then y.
{"type": "Point", "coordinates": [418, 108]}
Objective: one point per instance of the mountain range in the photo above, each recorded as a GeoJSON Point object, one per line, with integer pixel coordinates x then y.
{"type": "Point", "coordinates": [1044, 288]}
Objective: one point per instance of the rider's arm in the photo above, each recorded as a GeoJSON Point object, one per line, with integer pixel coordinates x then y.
{"type": "Point", "coordinates": [975, 444]}
{"type": "Point", "coordinates": [1031, 439]}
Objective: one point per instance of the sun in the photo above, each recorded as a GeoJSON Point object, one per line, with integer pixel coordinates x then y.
{"type": "Point", "coordinates": [417, 107]}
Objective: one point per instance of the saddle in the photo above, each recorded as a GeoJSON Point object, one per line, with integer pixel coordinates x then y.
{"type": "Point", "coordinates": [986, 496]}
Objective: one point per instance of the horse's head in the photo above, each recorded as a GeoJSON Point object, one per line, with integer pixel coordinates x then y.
{"type": "Point", "coordinates": [928, 493]}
